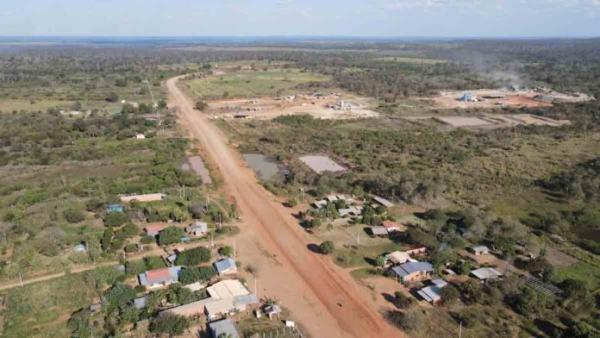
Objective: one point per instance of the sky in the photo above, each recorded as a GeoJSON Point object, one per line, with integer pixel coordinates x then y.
{"type": "Point", "coordinates": [360, 18]}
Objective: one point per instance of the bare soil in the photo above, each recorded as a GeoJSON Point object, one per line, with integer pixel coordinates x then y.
{"type": "Point", "coordinates": [322, 296]}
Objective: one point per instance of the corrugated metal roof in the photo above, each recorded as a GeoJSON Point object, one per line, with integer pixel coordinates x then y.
{"type": "Point", "coordinates": [412, 267]}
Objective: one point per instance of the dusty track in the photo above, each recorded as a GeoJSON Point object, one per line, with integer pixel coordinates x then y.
{"type": "Point", "coordinates": [323, 297]}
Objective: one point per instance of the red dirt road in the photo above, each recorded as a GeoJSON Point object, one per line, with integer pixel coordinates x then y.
{"type": "Point", "coordinates": [323, 297]}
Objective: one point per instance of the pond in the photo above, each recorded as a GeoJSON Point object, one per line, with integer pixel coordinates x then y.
{"type": "Point", "coordinates": [266, 168]}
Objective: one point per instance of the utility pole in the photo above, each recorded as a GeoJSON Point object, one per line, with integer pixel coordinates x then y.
{"type": "Point", "coordinates": [460, 329]}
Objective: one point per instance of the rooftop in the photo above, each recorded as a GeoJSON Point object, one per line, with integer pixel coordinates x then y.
{"type": "Point", "coordinates": [412, 267]}
{"type": "Point", "coordinates": [158, 276]}
{"type": "Point", "coordinates": [223, 328]}
{"type": "Point", "coordinates": [486, 273]}
{"type": "Point", "coordinates": [229, 288]}
{"type": "Point", "coordinates": [225, 264]}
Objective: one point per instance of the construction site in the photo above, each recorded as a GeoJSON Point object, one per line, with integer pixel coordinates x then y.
{"type": "Point", "coordinates": [513, 96]}
{"type": "Point", "coordinates": [331, 106]}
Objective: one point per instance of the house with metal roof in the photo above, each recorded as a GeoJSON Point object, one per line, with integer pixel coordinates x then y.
{"type": "Point", "coordinates": [226, 266]}
{"type": "Point", "coordinates": [379, 231]}
{"type": "Point", "coordinates": [115, 207]}
{"type": "Point", "coordinates": [480, 250]}
{"type": "Point", "coordinates": [398, 257]}
{"type": "Point", "coordinates": [223, 328]}
{"type": "Point", "coordinates": [159, 277]}
{"type": "Point", "coordinates": [380, 200]}
{"type": "Point", "coordinates": [198, 229]}
{"type": "Point", "coordinates": [229, 288]}
{"type": "Point", "coordinates": [433, 292]}
{"type": "Point", "coordinates": [140, 303]}
{"type": "Point", "coordinates": [413, 271]}
{"type": "Point", "coordinates": [484, 274]}
{"type": "Point", "coordinates": [392, 226]}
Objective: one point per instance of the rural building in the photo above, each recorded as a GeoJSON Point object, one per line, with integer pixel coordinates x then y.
{"type": "Point", "coordinates": [413, 271]}
{"type": "Point", "coordinates": [95, 307]}
{"type": "Point", "coordinates": [382, 201]}
{"type": "Point", "coordinates": [140, 303]}
{"type": "Point", "coordinates": [143, 198]}
{"type": "Point", "coordinates": [350, 211]}
{"type": "Point", "coordinates": [418, 250]}
{"type": "Point", "coordinates": [397, 257]}
{"type": "Point", "coordinates": [198, 229]}
{"type": "Point", "coordinates": [194, 309]}
{"type": "Point", "coordinates": [272, 311]}
{"type": "Point", "coordinates": [154, 229]}
{"type": "Point", "coordinates": [480, 250]}
{"type": "Point", "coordinates": [80, 247]}
{"type": "Point", "coordinates": [197, 286]}
{"type": "Point", "coordinates": [433, 293]}
{"type": "Point", "coordinates": [392, 226]}
{"type": "Point", "coordinates": [484, 274]}
{"type": "Point", "coordinates": [379, 231]}
{"type": "Point", "coordinates": [223, 328]}
{"type": "Point", "coordinates": [115, 207]}
{"type": "Point", "coordinates": [229, 288]}
{"type": "Point", "coordinates": [468, 97]}
{"type": "Point", "coordinates": [140, 136]}
{"type": "Point", "coordinates": [159, 277]}
{"type": "Point", "coordinates": [226, 266]}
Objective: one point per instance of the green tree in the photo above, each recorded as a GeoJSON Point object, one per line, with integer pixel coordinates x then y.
{"type": "Point", "coordinates": [115, 219]}
{"type": "Point", "coordinates": [170, 235]}
{"type": "Point", "coordinates": [74, 215]}
{"type": "Point", "coordinates": [169, 324]}
{"type": "Point", "coordinates": [326, 247]}
{"type": "Point", "coordinates": [449, 294]}
{"type": "Point", "coordinates": [226, 251]}
{"type": "Point", "coordinates": [196, 274]}
{"type": "Point", "coordinates": [193, 256]}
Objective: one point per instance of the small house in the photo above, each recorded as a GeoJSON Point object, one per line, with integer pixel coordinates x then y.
{"type": "Point", "coordinates": [484, 274]}
{"type": "Point", "coordinates": [115, 207]}
{"type": "Point", "coordinates": [480, 250]}
{"type": "Point", "coordinates": [159, 277]}
{"type": "Point", "coordinates": [379, 231]}
{"type": "Point", "coordinates": [397, 257]}
{"type": "Point", "coordinates": [413, 271]}
{"type": "Point", "coordinates": [223, 328]}
{"type": "Point", "coordinates": [382, 201]}
{"type": "Point", "coordinates": [392, 226]}
{"type": "Point", "coordinates": [153, 229]}
{"type": "Point", "coordinates": [143, 198]}
{"type": "Point", "coordinates": [198, 229]}
{"type": "Point", "coordinates": [417, 250]}
{"type": "Point", "coordinates": [433, 293]}
{"type": "Point", "coordinates": [226, 266]}
{"type": "Point", "coordinates": [95, 307]}
{"type": "Point", "coordinates": [140, 303]}
{"type": "Point", "coordinates": [81, 248]}
{"type": "Point", "coordinates": [140, 136]}
{"type": "Point", "coordinates": [272, 311]}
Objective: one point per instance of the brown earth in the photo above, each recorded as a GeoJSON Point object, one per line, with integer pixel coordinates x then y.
{"type": "Point", "coordinates": [322, 296]}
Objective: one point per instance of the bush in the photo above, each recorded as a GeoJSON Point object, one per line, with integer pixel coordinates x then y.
{"type": "Point", "coordinates": [402, 301]}
{"type": "Point", "coordinates": [115, 219]}
{"type": "Point", "coordinates": [193, 256]}
{"type": "Point", "coordinates": [450, 294]}
{"type": "Point", "coordinates": [326, 247]}
{"type": "Point", "coordinates": [131, 248]}
{"type": "Point", "coordinates": [170, 235]}
{"type": "Point", "coordinates": [226, 251]}
{"type": "Point", "coordinates": [197, 274]}
{"type": "Point", "coordinates": [170, 324]}
{"type": "Point", "coordinates": [74, 215]}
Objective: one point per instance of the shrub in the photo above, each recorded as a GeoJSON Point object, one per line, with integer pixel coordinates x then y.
{"type": "Point", "coordinates": [170, 324]}
{"type": "Point", "coordinates": [193, 256]}
{"type": "Point", "coordinates": [115, 219]}
{"type": "Point", "coordinates": [170, 235]}
{"type": "Point", "coordinates": [402, 301]}
{"type": "Point", "coordinates": [197, 274]}
{"type": "Point", "coordinates": [74, 215]}
{"type": "Point", "coordinates": [226, 251]}
{"type": "Point", "coordinates": [326, 247]}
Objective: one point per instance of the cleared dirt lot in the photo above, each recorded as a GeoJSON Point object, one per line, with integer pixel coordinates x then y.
{"type": "Point", "coordinates": [490, 98]}
{"type": "Point", "coordinates": [322, 296]}
{"type": "Point", "coordinates": [321, 107]}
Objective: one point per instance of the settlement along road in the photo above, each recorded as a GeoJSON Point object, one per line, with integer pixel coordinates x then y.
{"type": "Point", "coordinates": [323, 297]}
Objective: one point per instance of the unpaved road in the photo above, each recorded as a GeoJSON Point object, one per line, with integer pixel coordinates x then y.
{"type": "Point", "coordinates": [323, 297]}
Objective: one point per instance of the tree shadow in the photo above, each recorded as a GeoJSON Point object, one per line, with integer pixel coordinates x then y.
{"type": "Point", "coordinates": [314, 248]}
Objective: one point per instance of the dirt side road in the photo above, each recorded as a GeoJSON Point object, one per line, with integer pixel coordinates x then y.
{"type": "Point", "coordinates": [323, 297]}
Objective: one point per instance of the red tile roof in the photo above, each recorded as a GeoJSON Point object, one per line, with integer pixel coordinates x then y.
{"type": "Point", "coordinates": [158, 275]}
{"type": "Point", "coordinates": [390, 224]}
{"type": "Point", "coordinates": [155, 227]}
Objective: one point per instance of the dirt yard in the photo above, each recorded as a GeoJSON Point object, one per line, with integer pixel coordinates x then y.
{"type": "Point", "coordinates": [490, 98]}
{"type": "Point", "coordinates": [327, 106]}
